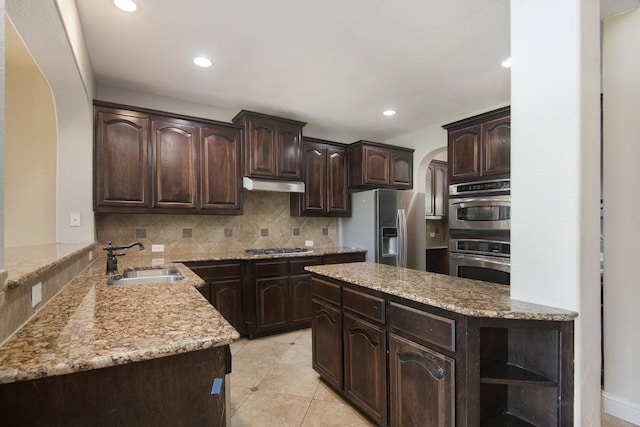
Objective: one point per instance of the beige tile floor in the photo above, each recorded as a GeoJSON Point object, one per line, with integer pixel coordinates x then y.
{"type": "Point", "coordinates": [273, 384]}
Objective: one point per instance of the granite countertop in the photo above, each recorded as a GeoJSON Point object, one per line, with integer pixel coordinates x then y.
{"type": "Point", "coordinates": [473, 298]}
{"type": "Point", "coordinates": [92, 325]}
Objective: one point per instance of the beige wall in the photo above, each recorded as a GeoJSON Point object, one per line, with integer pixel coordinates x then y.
{"type": "Point", "coordinates": [30, 150]}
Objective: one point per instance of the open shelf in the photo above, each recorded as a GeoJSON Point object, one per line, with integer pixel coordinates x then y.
{"type": "Point", "coordinates": [512, 374]}
{"type": "Point", "coordinates": [508, 420]}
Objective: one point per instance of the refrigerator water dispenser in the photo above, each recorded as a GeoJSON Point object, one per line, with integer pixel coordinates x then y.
{"type": "Point", "coordinates": [389, 241]}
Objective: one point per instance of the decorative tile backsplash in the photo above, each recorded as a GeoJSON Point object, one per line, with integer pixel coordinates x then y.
{"type": "Point", "coordinates": [262, 211]}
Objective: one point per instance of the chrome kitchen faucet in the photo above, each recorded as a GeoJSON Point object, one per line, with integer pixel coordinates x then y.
{"type": "Point", "coordinates": [112, 261]}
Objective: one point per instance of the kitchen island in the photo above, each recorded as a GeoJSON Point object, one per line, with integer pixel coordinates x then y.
{"type": "Point", "coordinates": [148, 354]}
{"type": "Point", "coordinates": [409, 347]}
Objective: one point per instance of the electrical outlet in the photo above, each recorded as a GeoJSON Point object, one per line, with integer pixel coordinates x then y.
{"type": "Point", "coordinates": [157, 248]}
{"type": "Point", "coordinates": [308, 242]}
{"type": "Point", "coordinates": [157, 261]}
{"type": "Point", "coordinates": [432, 234]}
{"type": "Point", "coordinates": [90, 255]}
{"type": "Point", "coordinates": [36, 294]}
{"type": "Point", "coordinates": [74, 219]}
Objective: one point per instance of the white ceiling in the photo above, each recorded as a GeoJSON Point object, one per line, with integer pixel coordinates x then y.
{"type": "Point", "coordinates": [335, 64]}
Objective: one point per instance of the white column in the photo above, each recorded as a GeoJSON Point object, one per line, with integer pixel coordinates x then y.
{"type": "Point", "coordinates": [621, 89]}
{"type": "Point", "coordinates": [2, 55]}
{"type": "Point", "coordinates": [555, 84]}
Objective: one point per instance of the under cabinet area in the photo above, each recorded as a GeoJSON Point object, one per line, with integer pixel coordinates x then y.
{"type": "Point", "coordinates": [147, 161]}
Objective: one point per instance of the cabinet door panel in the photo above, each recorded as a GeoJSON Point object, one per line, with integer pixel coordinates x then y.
{"type": "Point", "coordinates": [440, 191]}
{"type": "Point", "coordinates": [315, 173]}
{"type": "Point", "coordinates": [326, 342]}
{"type": "Point", "coordinates": [401, 170]}
{"type": "Point", "coordinates": [272, 303]}
{"type": "Point", "coordinates": [122, 169]}
{"type": "Point", "coordinates": [376, 161]}
{"type": "Point", "coordinates": [225, 297]}
{"type": "Point", "coordinates": [365, 358]}
{"type": "Point", "coordinates": [464, 153]}
{"type": "Point", "coordinates": [300, 297]}
{"type": "Point", "coordinates": [422, 391]}
{"type": "Point", "coordinates": [220, 169]}
{"type": "Point", "coordinates": [338, 197]}
{"type": "Point", "coordinates": [497, 149]}
{"type": "Point", "coordinates": [289, 146]}
{"type": "Point", "coordinates": [262, 149]}
{"type": "Point", "coordinates": [175, 164]}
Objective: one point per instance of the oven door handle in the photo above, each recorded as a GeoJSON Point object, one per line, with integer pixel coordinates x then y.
{"type": "Point", "coordinates": [502, 264]}
{"type": "Point", "coordinates": [471, 203]}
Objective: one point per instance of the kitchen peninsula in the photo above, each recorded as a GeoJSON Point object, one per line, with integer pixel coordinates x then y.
{"type": "Point", "coordinates": [408, 347]}
{"type": "Point", "coordinates": [144, 354]}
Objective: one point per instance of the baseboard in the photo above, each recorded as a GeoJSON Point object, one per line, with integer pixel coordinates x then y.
{"type": "Point", "coordinates": [621, 408]}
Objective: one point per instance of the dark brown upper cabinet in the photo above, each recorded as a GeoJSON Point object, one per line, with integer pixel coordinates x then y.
{"type": "Point", "coordinates": [148, 161]}
{"type": "Point", "coordinates": [325, 167]}
{"type": "Point", "coordinates": [175, 167]}
{"type": "Point", "coordinates": [121, 160]}
{"type": "Point", "coordinates": [375, 165]}
{"type": "Point", "coordinates": [272, 146]}
{"type": "Point", "coordinates": [479, 147]}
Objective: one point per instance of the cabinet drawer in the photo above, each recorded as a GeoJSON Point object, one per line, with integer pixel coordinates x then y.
{"type": "Point", "coordinates": [296, 266]}
{"type": "Point", "coordinates": [363, 304]}
{"type": "Point", "coordinates": [422, 326]}
{"type": "Point", "coordinates": [325, 290]}
{"type": "Point", "coordinates": [271, 268]}
{"type": "Point", "coordinates": [342, 258]}
{"type": "Point", "coordinates": [213, 273]}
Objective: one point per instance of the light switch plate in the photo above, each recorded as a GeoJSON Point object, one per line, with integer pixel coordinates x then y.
{"type": "Point", "coordinates": [308, 242]}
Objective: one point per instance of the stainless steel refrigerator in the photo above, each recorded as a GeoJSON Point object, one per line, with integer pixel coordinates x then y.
{"type": "Point", "coordinates": [390, 225]}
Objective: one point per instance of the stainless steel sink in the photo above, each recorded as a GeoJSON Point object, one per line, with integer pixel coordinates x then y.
{"type": "Point", "coordinates": [142, 276]}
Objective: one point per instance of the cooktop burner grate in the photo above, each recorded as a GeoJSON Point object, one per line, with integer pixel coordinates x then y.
{"type": "Point", "coordinates": [270, 251]}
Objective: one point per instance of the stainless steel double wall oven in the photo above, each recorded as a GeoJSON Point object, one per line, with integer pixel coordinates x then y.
{"type": "Point", "coordinates": [479, 229]}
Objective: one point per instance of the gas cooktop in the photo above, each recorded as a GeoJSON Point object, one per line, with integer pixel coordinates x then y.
{"type": "Point", "coordinates": [271, 251]}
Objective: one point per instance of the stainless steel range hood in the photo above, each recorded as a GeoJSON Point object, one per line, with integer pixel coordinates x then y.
{"type": "Point", "coordinates": [272, 185]}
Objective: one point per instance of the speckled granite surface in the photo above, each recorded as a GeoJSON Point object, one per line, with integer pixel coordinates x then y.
{"type": "Point", "coordinates": [92, 325]}
{"type": "Point", "coordinates": [468, 297]}
{"type": "Point", "coordinates": [24, 263]}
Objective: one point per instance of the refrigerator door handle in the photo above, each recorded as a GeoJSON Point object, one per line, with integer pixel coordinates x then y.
{"type": "Point", "coordinates": [401, 258]}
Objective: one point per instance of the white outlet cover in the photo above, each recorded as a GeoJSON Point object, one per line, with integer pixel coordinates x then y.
{"type": "Point", "coordinates": [308, 242]}
{"type": "Point", "coordinates": [157, 248]}
{"type": "Point", "coordinates": [74, 219]}
{"type": "Point", "coordinates": [36, 294]}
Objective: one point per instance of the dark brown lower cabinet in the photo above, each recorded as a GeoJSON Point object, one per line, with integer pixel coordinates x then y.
{"type": "Point", "coordinates": [168, 391]}
{"type": "Point", "coordinates": [300, 297]}
{"type": "Point", "coordinates": [421, 385]}
{"type": "Point", "coordinates": [326, 342]}
{"type": "Point", "coordinates": [272, 297]}
{"type": "Point", "coordinates": [223, 287]}
{"type": "Point", "coordinates": [365, 367]}
{"type": "Point", "coordinates": [442, 368]}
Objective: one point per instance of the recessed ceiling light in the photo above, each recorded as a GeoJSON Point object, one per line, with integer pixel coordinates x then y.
{"type": "Point", "coordinates": [389, 112]}
{"type": "Point", "coordinates": [506, 63]}
{"type": "Point", "coordinates": [203, 62]}
{"type": "Point", "coordinates": [126, 5]}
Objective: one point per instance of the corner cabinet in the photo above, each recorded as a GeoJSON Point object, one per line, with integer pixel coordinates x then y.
{"type": "Point", "coordinates": [436, 189]}
{"type": "Point", "coordinates": [326, 193]}
{"type": "Point", "coordinates": [147, 161]}
{"type": "Point", "coordinates": [403, 363]}
{"type": "Point", "coordinates": [375, 165]}
{"type": "Point", "coordinates": [480, 147]}
{"type": "Point", "coordinates": [272, 146]}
